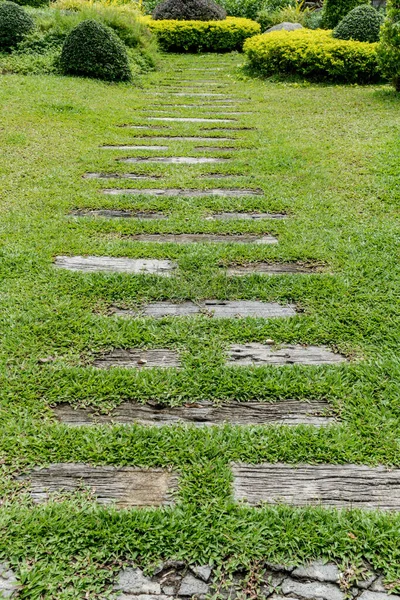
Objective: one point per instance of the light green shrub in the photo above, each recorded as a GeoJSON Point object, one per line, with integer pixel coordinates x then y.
{"type": "Point", "coordinates": [315, 55]}
{"type": "Point", "coordinates": [389, 47]}
{"type": "Point", "coordinates": [292, 13]}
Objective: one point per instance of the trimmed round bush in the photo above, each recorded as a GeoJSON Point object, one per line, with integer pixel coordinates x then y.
{"type": "Point", "coordinates": [312, 54]}
{"type": "Point", "coordinates": [93, 50]}
{"type": "Point", "coordinates": [189, 10]}
{"type": "Point", "coordinates": [15, 24]}
{"type": "Point", "coordinates": [203, 36]}
{"type": "Point", "coordinates": [363, 23]}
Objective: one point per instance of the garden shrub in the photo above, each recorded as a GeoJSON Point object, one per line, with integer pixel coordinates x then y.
{"type": "Point", "coordinates": [203, 36]}
{"type": "Point", "coordinates": [93, 50]}
{"type": "Point", "coordinates": [15, 23]}
{"type": "Point", "coordinates": [315, 55]}
{"type": "Point", "coordinates": [363, 23]}
{"type": "Point", "coordinates": [389, 47]}
{"type": "Point", "coordinates": [33, 3]}
{"type": "Point", "coordinates": [288, 14]}
{"type": "Point", "coordinates": [189, 10]}
{"type": "Point", "coordinates": [335, 10]}
{"type": "Point", "coordinates": [246, 9]}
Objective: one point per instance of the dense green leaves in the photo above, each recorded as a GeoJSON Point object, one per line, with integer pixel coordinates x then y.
{"type": "Point", "coordinates": [189, 10]}
{"type": "Point", "coordinates": [363, 23]}
{"type": "Point", "coordinates": [15, 24]}
{"type": "Point", "coordinates": [335, 10]}
{"type": "Point", "coordinates": [389, 48]}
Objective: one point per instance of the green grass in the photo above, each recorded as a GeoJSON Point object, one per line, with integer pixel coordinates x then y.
{"type": "Point", "coordinates": [328, 157]}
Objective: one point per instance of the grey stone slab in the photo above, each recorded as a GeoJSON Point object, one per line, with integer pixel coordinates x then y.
{"type": "Point", "coordinates": [216, 148]}
{"type": "Point", "coordinates": [340, 486]}
{"type": "Point", "coordinates": [110, 264]}
{"type": "Point", "coordinates": [318, 570]}
{"type": "Point", "coordinates": [370, 595]}
{"type": "Point", "coordinates": [143, 597]}
{"type": "Point", "coordinates": [259, 354]}
{"type": "Point", "coordinates": [378, 586]}
{"type": "Point", "coordinates": [121, 214]}
{"type": "Point", "coordinates": [312, 591]}
{"type": "Point", "coordinates": [219, 309]}
{"type": "Point", "coordinates": [203, 572]}
{"type": "Point", "coordinates": [133, 581]}
{"type": "Point", "coordinates": [204, 413]}
{"type": "Point", "coordinates": [220, 192]}
{"type": "Point", "coordinates": [120, 176]}
{"type": "Point", "coordinates": [192, 586]}
{"type": "Point", "coordinates": [198, 238]}
{"type": "Point", "coordinates": [8, 581]}
{"type": "Point", "coordinates": [174, 160]}
{"type": "Point", "coordinates": [366, 583]}
{"type": "Point", "coordinates": [123, 486]}
{"type": "Point", "coordinates": [138, 359]}
{"type": "Point", "coordinates": [229, 216]}
{"type": "Point", "coordinates": [270, 269]}
{"type": "Point", "coordinates": [199, 107]}
{"type": "Point", "coordinates": [194, 138]}
{"type": "Point", "coordinates": [190, 119]}
{"type": "Point", "coordinates": [199, 94]}
{"type": "Point", "coordinates": [134, 147]}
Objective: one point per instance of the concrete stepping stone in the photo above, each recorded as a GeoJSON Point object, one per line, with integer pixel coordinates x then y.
{"type": "Point", "coordinates": [231, 216]}
{"type": "Point", "coordinates": [174, 160]}
{"type": "Point", "coordinates": [120, 176]}
{"type": "Point", "coordinates": [192, 138]}
{"type": "Point", "coordinates": [218, 309]}
{"type": "Point", "coordinates": [110, 264]}
{"type": "Point", "coordinates": [220, 192]}
{"type": "Point", "coordinates": [196, 238]}
{"type": "Point", "coordinates": [216, 148]}
{"type": "Point", "coordinates": [8, 581]}
{"type": "Point", "coordinates": [134, 147]}
{"type": "Point", "coordinates": [340, 486]}
{"type": "Point", "coordinates": [134, 358]}
{"type": "Point", "coordinates": [194, 93]}
{"type": "Point", "coordinates": [190, 119]}
{"type": "Point", "coordinates": [123, 486]}
{"type": "Point", "coordinates": [270, 269]}
{"type": "Point", "coordinates": [121, 214]}
{"type": "Point", "coordinates": [197, 107]}
{"type": "Point", "coordinates": [251, 354]}
{"type": "Point", "coordinates": [205, 413]}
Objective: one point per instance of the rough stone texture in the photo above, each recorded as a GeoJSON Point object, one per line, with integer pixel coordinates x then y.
{"type": "Point", "coordinates": [190, 119]}
{"type": "Point", "coordinates": [259, 354]}
{"type": "Point", "coordinates": [370, 595]}
{"type": "Point", "coordinates": [135, 582]}
{"type": "Point", "coordinates": [285, 412]}
{"type": "Point", "coordinates": [215, 148]}
{"type": "Point", "coordinates": [341, 486]}
{"type": "Point", "coordinates": [319, 571]}
{"type": "Point", "coordinates": [138, 359]}
{"type": "Point", "coordinates": [120, 214]}
{"type": "Point", "coordinates": [310, 591]}
{"type": "Point", "coordinates": [223, 309]}
{"type": "Point", "coordinates": [192, 586]}
{"type": "Point", "coordinates": [175, 160]}
{"type": "Point", "coordinates": [197, 238]}
{"type": "Point", "coordinates": [270, 269]}
{"type": "Point", "coordinates": [221, 192]}
{"type": "Point", "coordinates": [286, 26]}
{"type": "Point", "coordinates": [119, 176]}
{"type": "Point", "coordinates": [191, 138]}
{"type": "Point", "coordinates": [378, 586]}
{"type": "Point", "coordinates": [203, 573]}
{"type": "Point", "coordinates": [91, 264]}
{"type": "Point", "coordinates": [227, 216]}
{"type": "Point", "coordinates": [200, 94]}
{"type": "Point", "coordinates": [8, 581]}
{"type": "Point", "coordinates": [122, 486]}
{"type": "Point", "coordinates": [135, 147]}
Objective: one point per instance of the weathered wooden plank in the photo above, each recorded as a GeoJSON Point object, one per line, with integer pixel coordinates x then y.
{"type": "Point", "coordinates": [110, 264]}
{"type": "Point", "coordinates": [134, 358]}
{"type": "Point", "coordinates": [196, 238]}
{"type": "Point", "coordinates": [227, 216]}
{"type": "Point", "coordinates": [218, 309]}
{"type": "Point", "coordinates": [141, 215]}
{"type": "Point", "coordinates": [124, 486]}
{"type": "Point", "coordinates": [341, 486]}
{"type": "Point", "coordinates": [258, 354]}
{"type": "Point", "coordinates": [174, 160]}
{"type": "Point", "coordinates": [220, 192]}
{"type": "Point", "coordinates": [285, 412]}
{"type": "Point", "coordinates": [271, 269]}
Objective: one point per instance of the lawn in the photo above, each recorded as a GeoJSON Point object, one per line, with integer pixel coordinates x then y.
{"type": "Point", "coordinates": [328, 157]}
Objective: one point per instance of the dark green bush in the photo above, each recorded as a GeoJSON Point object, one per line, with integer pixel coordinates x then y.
{"type": "Point", "coordinates": [93, 50]}
{"type": "Point", "coordinates": [15, 24]}
{"type": "Point", "coordinates": [363, 23]}
{"type": "Point", "coordinates": [189, 10]}
{"type": "Point", "coordinates": [34, 3]}
{"type": "Point", "coordinates": [336, 10]}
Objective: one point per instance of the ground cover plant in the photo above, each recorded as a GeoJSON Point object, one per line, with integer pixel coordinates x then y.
{"type": "Point", "coordinates": [325, 157]}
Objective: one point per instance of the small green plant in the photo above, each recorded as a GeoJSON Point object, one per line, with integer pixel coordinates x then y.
{"type": "Point", "coordinates": [15, 24]}
{"type": "Point", "coordinates": [291, 13]}
{"type": "Point", "coordinates": [335, 10]}
{"type": "Point", "coordinates": [389, 47]}
{"type": "Point", "coordinates": [247, 9]}
{"type": "Point", "coordinates": [362, 23]}
{"type": "Point", "coordinates": [189, 10]}
{"type": "Point", "coordinates": [93, 50]}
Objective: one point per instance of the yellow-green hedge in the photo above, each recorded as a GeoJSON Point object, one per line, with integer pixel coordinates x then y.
{"type": "Point", "coordinates": [203, 36]}
{"type": "Point", "coordinates": [315, 55]}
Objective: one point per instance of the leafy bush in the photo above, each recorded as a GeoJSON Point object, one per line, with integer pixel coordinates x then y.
{"type": "Point", "coordinates": [389, 47]}
{"type": "Point", "coordinates": [34, 3]}
{"type": "Point", "coordinates": [93, 50]}
{"type": "Point", "coordinates": [189, 10]}
{"type": "Point", "coordinates": [363, 23]}
{"type": "Point", "coordinates": [336, 10]}
{"type": "Point", "coordinates": [15, 23]}
{"type": "Point", "coordinates": [290, 14]}
{"type": "Point", "coordinates": [203, 36]}
{"type": "Point", "coordinates": [246, 9]}
{"type": "Point", "coordinates": [314, 19]}
{"type": "Point", "coordinates": [315, 55]}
